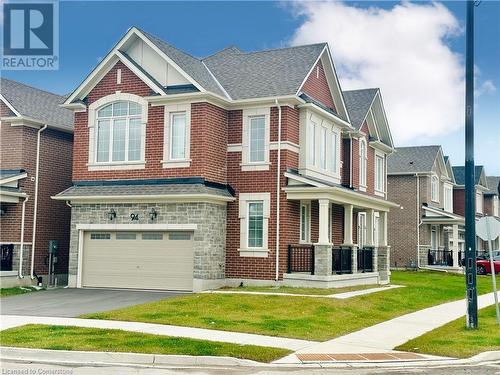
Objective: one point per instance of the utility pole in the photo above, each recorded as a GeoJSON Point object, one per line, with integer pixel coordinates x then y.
{"type": "Point", "coordinates": [470, 195]}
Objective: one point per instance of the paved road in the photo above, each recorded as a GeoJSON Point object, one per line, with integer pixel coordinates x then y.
{"type": "Point", "coordinates": [37, 368]}
{"type": "Point", "coordinates": [74, 302]}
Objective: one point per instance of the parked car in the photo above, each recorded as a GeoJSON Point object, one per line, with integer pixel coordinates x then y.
{"type": "Point", "coordinates": [483, 266]}
{"type": "Point", "coordinates": [484, 255]}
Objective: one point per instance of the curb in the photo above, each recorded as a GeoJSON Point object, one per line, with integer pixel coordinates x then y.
{"type": "Point", "coordinates": [138, 359]}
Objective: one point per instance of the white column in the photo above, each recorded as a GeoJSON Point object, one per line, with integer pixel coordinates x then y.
{"type": "Point", "coordinates": [383, 231]}
{"type": "Point", "coordinates": [324, 205]}
{"type": "Point", "coordinates": [348, 224]}
{"type": "Point", "coordinates": [454, 245]}
{"type": "Point", "coordinates": [370, 225]}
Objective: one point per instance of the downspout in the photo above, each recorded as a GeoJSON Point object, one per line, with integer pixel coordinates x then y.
{"type": "Point", "coordinates": [418, 220]}
{"type": "Point", "coordinates": [35, 203]}
{"type": "Point", "coordinates": [21, 247]}
{"type": "Point", "coordinates": [278, 190]}
{"type": "Point", "coordinates": [350, 160]}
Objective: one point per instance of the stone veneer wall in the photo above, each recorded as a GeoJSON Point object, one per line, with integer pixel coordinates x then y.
{"type": "Point", "coordinates": [209, 238]}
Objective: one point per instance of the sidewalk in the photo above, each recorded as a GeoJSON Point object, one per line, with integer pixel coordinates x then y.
{"type": "Point", "coordinates": [10, 321]}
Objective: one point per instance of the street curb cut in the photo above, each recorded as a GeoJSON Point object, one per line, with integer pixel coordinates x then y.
{"type": "Point", "coordinates": [138, 359]}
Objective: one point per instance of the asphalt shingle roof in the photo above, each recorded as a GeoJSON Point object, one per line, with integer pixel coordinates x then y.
{"type": "Point", "coordinates": [493, 184]}
{"type": "Point", "coordinates": [412, 159]}
{"type": "Point", "coordinates": [459, 173]}
{"type": "Point", "coordinates": [146, 189]}
{"type": "Point", "coordinates": [276, 72]}
{"type": "Point", "coordinates": [37, 104]}
{"type": "Point", "coordinates": [6, 173]}
{"type": "Point", "coordinates": [358, 104]}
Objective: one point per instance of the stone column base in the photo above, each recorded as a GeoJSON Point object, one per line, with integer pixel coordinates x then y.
{"type": "Point", "coordinates": [323, 260]}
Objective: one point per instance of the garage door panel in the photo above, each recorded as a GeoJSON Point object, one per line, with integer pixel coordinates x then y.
{"type": "Point", "coordinates": [147, 264]}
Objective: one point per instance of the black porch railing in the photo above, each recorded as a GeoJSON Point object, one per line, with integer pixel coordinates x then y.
{"type": "Point", "coordinates": [440, 258]}
{"type": "Point", "coordinates": [300, 258]}
{"type": "Point", "coordinates": [6, 257]}
{"type": "Point", "coordinates": [365, 260]}
{"type": "Point", "coordinates": [341, 260]}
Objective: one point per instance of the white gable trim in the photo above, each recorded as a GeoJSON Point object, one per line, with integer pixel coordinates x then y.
{"type": "Point", "coordinates": [217, 81]}
{"type": "Point", "coordinates": [19, 176]}
{"type": "Point", "coordinates": [126, 61]}
{"type": "Point", "coordinates": [11, 107]}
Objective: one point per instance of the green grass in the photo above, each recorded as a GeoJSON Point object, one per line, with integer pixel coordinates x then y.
{"type": "Point", "coordinates": [294, 290]}
{"type": "Point", "coordinates": [114, 340]}
{"type": "Point", "coordinates": [454, 340]}
{"type": "Point", "coordinates": [300, 317]}
{"type": "Point", "coordinates": [6, 292]}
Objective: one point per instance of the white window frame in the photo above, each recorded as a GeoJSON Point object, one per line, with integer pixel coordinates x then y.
{"type": "Point", "coordinates": [169, 112]}
{"type": "Point", "coordinates": [361, 229]}
{"type": "Point", "coordinates": [363, 162]}
{"type": "Point", "coordinates": [311, 140]}
{"type": "Point", "coordinates": [246, 164]}
{"type": "Point", "coordinates": [250, 118]}
{"type": "Point", "coordinates": [92, 163]}
{"type": "Point", "coordinates": [495, 206]}
{"type": "Point", "coordinates": [244, 200]}
{"type": "Point", "coordinates": [335, 152]}
{"type": "Point", "coordinates": [379, 177]}
{"type": "Point", "coordinates": [448, 197]}
{"type": "Point", "coordinates": [323, 149]}
{"type": "Point", "coordinates": [434, 188]}
{"type": "Point", "coordinates": [479, 202]}
{"type": "Point", "coordinates": [305, 222]}
{"type": "Point", "coordinates": [435, 230]}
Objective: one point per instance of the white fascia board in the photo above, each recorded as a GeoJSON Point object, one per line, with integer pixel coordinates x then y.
{"type": "Point", "coordinates": [337, 82]}
{"type": "Point", "coordinates": [13, 193]}
{"type": "Point", "coordinates": [386, 123]}
{"type": "Point", "coordinates": [409, 173]}
{"type": "Point", "coordinates": [146, 198]}
{"type": "Point", "coordinates": [337, 120]}
{"type": "Point", "coordinates": [381, 146]}
{"type": "Point", "coordinates": [304, 180]}
{"type": "Point", "coordinates": [75, 107]}
{"type": "Point", "coordinates": [443, 213]}
{"type": "Point", "coordinates": [310, 71]}
{"type": "Point", "coordinates": [11, 107]}
{"type": "Point", "coordinates": [13, 178]}
{"type": "Point", "coordinates": [138, 227]}
{"type": "Point", "coordinates": [32, 123]}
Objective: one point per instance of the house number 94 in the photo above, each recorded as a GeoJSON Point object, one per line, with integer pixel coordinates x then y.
{"type": "Point", "coordinates": [134, 217]}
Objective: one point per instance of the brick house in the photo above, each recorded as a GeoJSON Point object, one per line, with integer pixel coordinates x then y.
{"type": "Point", "coordinates": [491, 204]}
{"type": "Point", "coordinates": [190, 174]}
{"type": "Point", "coordinates": [35, 163]}
{"type": "Point", "coordinates": [427, 230]}
{"type": "Point", "coordinates": [486, 202]}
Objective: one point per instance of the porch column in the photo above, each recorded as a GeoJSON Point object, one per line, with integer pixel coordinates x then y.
{"type": "Point", "coordinates": [323, 249]}
{"type": "Point", "coordinates": [454, 245]}
{"type": "Point", "coordinates": [383, 232]}
{"type": "Point", "coordinates": [348, 224]}
{"type": "Point", "coordinates": [370, 227]}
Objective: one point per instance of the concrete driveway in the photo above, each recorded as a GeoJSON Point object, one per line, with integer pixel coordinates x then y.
{"type": "Point", "coordinates": [74, 302]}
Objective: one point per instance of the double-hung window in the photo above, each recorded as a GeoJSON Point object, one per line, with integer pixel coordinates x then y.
{"type": "Point", "coordinates": [322, 147]}
{"type": "Point", "coordinates": [119, 133]}
{"type": "Point", "coordinates": [362, 163]}
{"type": "Point", "coordinates": [448, 198]}
{"type": "Point", "coordinates": [255, 224]}
{"type": "Point", "coordinates": [257, 142]}
{"type": "Point", "coordinates": [311, 135]}
{"type": "Point", "coordinates": [334, 152]}
{"type": "Point", "coordinates": [379, 173]}
{"type": "Point", "coordinates": [305, 222]}
{"type": "Point", "coordinates": [435, 188]}
{"type": "Point", "coordinates": [178, 137]}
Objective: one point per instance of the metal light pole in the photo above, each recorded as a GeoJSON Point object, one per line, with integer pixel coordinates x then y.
{"type": "Point", "coordinates": [470, 211]}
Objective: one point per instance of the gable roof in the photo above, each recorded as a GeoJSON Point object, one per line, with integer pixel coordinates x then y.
{"type": "Point", "coordinates": [414, 159]}
{"type": "Point", "coordinates": [358, 103]}
{"type": "Point", "coordinates": [459, 172]}
{"type": "Point", "coordinates": [275, 72]}
{"type": "Point", "coordinates": [36, 104]}
{"type": "Point", "coordinates": [493, 184]}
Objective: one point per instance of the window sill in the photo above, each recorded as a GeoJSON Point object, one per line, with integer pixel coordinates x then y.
{"type": "Point", "coordinates": [380, 193]}
{"type": "Point", "coordinates": [362, 188]}
{"type": "Point", "coordinates": [176, 163]}
{"type": "Point", "coordinates": [255, 166]}
{"type": "Point", "coordinates": [255, 253]}
{"type": "Point", "coordinates": [116, 166]}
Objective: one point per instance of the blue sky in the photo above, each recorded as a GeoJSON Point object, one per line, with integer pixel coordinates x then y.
{"type": "Point", "coordinates": [88, 30]}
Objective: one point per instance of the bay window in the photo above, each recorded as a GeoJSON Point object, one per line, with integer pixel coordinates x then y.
{"type": "Point", "coordinates": [362, 163]}
{"type": "Point", "coordinates": [119, 133]}
{"type": "Point", "coordinates": [311, 129]}
{"type": "Point", "coordinates": [334, 152]}
{"type": "Point", "coordinates": [435, 188]}
{"type": "Point", "coordinates": [322, 148]}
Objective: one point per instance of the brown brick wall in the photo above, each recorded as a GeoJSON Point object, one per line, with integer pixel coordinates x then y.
{"type": "Point", "coordinates": [488, 205]}
{"type": "Point", "coordinates": [316, 86]}
{"type": "Point", "coordinates": [459, 201]}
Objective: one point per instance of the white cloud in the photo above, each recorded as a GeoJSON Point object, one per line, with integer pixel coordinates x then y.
{"type": "Point", "coordinates": [402, 50]}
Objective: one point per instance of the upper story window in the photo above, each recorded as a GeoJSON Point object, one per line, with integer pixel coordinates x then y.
{"type": "Point", "coordinates": [448, 197]}
{"type": "Point", "coordinates": [335, 152]}
{"type": "Point", "coordinates": [311, 136]}
{"type": "Point", "coordinates": [495, 206]}
{"type": "Point", "coordinates": [379, 173]}
{"type": "Point", "coordinates": [435, 188]}
{"type": "Point", "coordinates": [362, 162]}
{"type": "Point", "coordinates": [479, 202]}
{"type": "Point", "coordinates": [176, 136]}
{"type": "Point", "coordinates": [322, 147]}
{"type": "Point", "coordinates": [256, 139]}
{"type": "Point", "coordinates": [119, 132]}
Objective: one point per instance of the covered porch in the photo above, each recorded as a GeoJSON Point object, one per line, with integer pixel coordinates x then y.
{"type": "Point", "coordinates": [348, 245]}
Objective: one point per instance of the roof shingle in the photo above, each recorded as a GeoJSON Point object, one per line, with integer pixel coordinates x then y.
{"type": "Point", "coordinates": [414, 159]}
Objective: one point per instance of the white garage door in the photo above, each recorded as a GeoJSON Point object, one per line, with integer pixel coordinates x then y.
{"type": "Point", "coordinates": [140, 260]}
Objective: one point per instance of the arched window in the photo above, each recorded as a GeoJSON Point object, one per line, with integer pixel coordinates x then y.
{"type": "Point", "coordinates": [119, 132]}
{"type": "Point", "coordinates": [362, 163]}
{"type": "Point", "coordinates": [435, 188]}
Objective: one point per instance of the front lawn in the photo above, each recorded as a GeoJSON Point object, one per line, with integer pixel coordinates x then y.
{"type": "Point", "coordinates": [294, 290]}
{"type": "Point", "coordinates": [454, 340]}
{"type": "Point", "coordinates": [6, 292]}
{"type": "Point", "coordinates": [300, 317]}
{"type": "Point", "coordinates": [114, 340]}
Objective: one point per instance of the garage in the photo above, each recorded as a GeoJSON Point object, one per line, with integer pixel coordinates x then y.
{"type": "Point", "coordinates": [137, 260]}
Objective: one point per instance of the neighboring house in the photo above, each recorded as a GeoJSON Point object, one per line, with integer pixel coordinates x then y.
{"type": "Point", "coordinates": [481, 193]}
{"type": "Point", "coordinates": [35, 163]}
{"type": "Point", "coordinates": [425, 231]}
{"type": "Point", "coordinates": [491, 205]}
{"type": "Point", "coordinates": [191, 174]}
